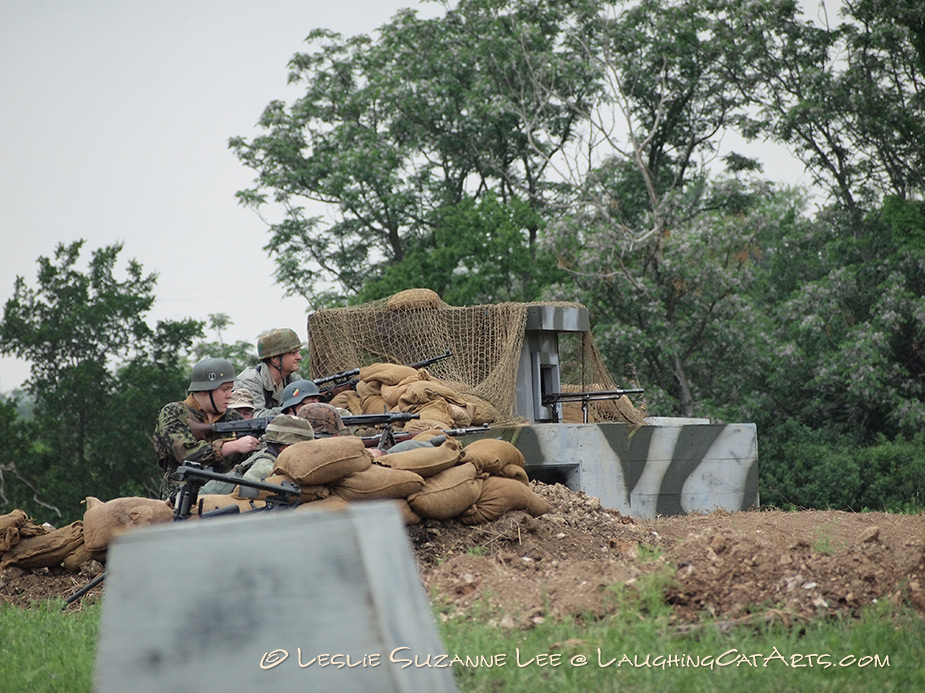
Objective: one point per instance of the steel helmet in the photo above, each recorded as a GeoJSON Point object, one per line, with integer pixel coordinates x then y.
{"type": "Point", "coordinates": [297, 391]}
{"type": "Point", "coordinates": [288, 430]}
{"type": "Point", "coordinates": [210, 374]}
{"type": "Point", "coordinates": [276, 342]}
{"type": "Point", "coordinates": [324, 418]}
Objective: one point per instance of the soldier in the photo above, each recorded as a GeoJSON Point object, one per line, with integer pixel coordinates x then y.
{"type": "Point", "coordinates": [279, 352]}
{"type": "Point", "coordinates": [282, 431]}
{"type": "Point", "coordinates": [211, 381]}
{"type": "Point", "coordinates": [324, 419]}
{"type": "Point", "coordinates": [243, 402]}
{"type": "Point", "coordinates": [297, 393]}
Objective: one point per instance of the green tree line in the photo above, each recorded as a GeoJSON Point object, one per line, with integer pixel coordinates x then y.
{"type": "Point", "coordinates": [527, 150]}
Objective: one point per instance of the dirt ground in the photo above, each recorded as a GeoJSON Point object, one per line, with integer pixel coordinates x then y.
{"type": "Point", "coordinates": [787, 565]}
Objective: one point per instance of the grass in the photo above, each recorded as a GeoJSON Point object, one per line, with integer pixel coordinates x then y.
{"type": "Point", "coordinates": [45, 649]}
{"type": "Point", "coordinates": [636, 648]}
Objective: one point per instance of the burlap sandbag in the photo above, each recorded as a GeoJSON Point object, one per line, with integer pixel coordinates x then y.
{"type": "Point", "coordinates": [514, 471]}
{"type": "Point", "coordinates": [500, 495]}
{"type": "Point", "coordinates": [408, 516]}
{"type": "Point", "coordinates": [387, 373]}
{"type": "Point", "coordinates": [426, 462]}
{"type": "Point", "coordinates": [349, 400]}
{"type": "Point", "coordinates": [438, 410]}
{"type": "Point", "coordinates": [105, 521]}
{"type": "Point", "coordinates": [323, 460]}
{"type": "Point", "coordinates": [9, 529]}
{"type": "Point", "coordinates": [410, 299]}
{"type": "Point", "coordinates": [424, 391]}
{"type": "Point", "coordinates": [45, 550]}
{"type": "Point", "coordinates": [448, 493]}
{"type": "Point", "coordinates": [462, 416]}
{"type": "Point", "coordinates": [76, 558]}
{"type": "Point", "coordinates": [483, 412]}
{"type": "Point", "coordinates": [368, 388]}
{"type": "Point", "coordinates": [493, 454]}
{"type": "Point", "coordinates": [422, 425]}
{"type": "Point", "coordinates": [374, 404]}
{"type": "Point", "coordinates": [392, 394]}
{"type": "Point", "coordinates": [218, 501]}
{"type": "Point", "coordinates": [309, 493]}
{"type": "Point", "coordinates": [378, 482]}
{"type": "Point", "coordinates": [330, 504]}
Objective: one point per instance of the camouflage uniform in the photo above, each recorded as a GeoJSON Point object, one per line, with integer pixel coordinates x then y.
{"type": "Point", "coordinates": [174, 441]}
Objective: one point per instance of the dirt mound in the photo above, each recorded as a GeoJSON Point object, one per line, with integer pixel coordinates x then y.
{"type": "Point", "coordinates": [522, 569]}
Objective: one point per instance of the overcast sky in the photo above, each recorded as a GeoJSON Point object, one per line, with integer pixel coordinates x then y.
{"type": "Point", "coordinates": [114, 122]}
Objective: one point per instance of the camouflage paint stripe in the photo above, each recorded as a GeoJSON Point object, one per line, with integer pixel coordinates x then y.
{"type": "Point", "coordinates": [690, 450]}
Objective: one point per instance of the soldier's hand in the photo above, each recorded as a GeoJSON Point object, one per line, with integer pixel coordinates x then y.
{"type": "Point", "coordinates": [244, 445]}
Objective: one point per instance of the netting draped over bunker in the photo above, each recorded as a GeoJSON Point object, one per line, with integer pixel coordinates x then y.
{"type": "Point", "coordinates": [486, 342]}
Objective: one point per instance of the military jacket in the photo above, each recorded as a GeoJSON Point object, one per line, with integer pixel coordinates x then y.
{"type": "Point", "coordinates": [267, 395]}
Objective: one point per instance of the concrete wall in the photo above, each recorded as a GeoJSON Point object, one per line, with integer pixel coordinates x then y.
{"type": "Point", "coordinates": [673, 468]}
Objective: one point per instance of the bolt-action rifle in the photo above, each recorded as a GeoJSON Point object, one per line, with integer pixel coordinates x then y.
{"type": "Point", "coordinates": [345, 380]}
{"type": "Point", "coordinates": [389, 438]}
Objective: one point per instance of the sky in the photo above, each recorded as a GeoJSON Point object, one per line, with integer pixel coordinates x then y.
{"type": "Point", "coordinates": [114, 123]}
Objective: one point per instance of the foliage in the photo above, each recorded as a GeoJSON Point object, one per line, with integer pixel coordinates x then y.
{"type": "Point", "coordinates": [99, 375]}
{"type": "Point", "coordinates": [394, 132]}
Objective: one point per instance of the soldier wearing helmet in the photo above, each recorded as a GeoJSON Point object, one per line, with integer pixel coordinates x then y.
{"type": "Point", "coordinates": [210, 387]}
{"type": "Point", "coordinates": [279, 351]}
{"type": "Point", "coordinates": [297, 393]}
{"type": "Point", "coordinates": [282, 431]}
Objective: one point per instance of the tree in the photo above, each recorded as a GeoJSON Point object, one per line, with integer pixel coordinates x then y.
{"type": "Point", "coordinates": [394, 132]}
{"type": "Point", "coordinates": [99, 373]}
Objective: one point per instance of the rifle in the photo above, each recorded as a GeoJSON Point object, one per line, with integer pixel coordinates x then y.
{"type": "Point", "coordinates": [384, 443]}
{"type": "Point", "coordinates": [584, 397]}
{"type": "Point", "coordinates": [192, 476]}
{"type": "Point", "coordinates": [345, 380]}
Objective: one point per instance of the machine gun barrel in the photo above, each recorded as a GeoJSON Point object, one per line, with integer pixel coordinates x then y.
{"type": "Point", "coordinates": [585, 397]}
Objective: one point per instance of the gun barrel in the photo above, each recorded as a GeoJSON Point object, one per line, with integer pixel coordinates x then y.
{"type": "Point", "coordinates": [373, 419]}
{"type": "Point", "coordinates": [587, 396]}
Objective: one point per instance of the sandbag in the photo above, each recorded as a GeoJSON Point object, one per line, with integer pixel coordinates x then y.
{"type": "Point", "coordinates": [249, 493]}
{"type": "Point", "coordinates": [448, 493]}
{"type": "Point", "coordinates": [513, 471]}
{"type": "Point", "coordinates": [76, 558]}
{"type": "Point", "coordinates": [349, 400]}
{"type": "Point", "coordinates": [373, 404]}
{"type": "Point", "coordinates": [105, 521]}
{"type": "Point", "coordinates": [425, 391]}
{"type": "Point", "coordinates": [428, 461]}
{"type": "Point", "coordinates": [9, 529]}
{"type": "Point", "coordinates": [368, 388]}
{"type": "Point", "coordinates": [332, 503]}
{"type": "Point", "coordinates": [309, 493]}
{"type": "Point", "coordinates": [462, 416]}
{"type": "Point", "coordinates": [408, 516]}
{"type": "Point", "coordinates": [492, 454]}
{"type": "Point", "coordinates": [387, 373]}
{"type": "Point", "coordinates": [378, 482]}
{"type": "Point", "coordinates": [500, 495]}
{"type": "Point", "coordinates": [422, 425]}
{"type": "Point", "coordinates": [482, 411]}
{"type": "Point", "coordinates": [45, 550]}
{"type": "Point", "coordinates": [323, 460]}
{"type": "Point", "coordinates": [411, 299]}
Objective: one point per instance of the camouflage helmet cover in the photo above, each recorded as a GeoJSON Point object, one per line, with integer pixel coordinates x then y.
{"type": "Point", "coordinates": [210, 374]}
{"type": "Point", "coordinates": [324, 418]}
{"type": "Point", "coordinates": [241, 399]}
{"type": "Point", "coordinates": [297, 391]}
{"type": "Point", "coordinates": [287, 430]}
{"type": "Point", "coordinates": [276, 342]}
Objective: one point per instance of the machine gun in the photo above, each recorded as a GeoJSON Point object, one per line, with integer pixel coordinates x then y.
{"type": "Point", "coordinates": [192, 476]}
{"type": "Point", "coordinates": [385, 442]}
{"type": "Point", "coordinates": [258, 426]}
{"type": "Point", "coordinates": [555, 398]}
{"type": "Point", "coordinates": [345, 380]}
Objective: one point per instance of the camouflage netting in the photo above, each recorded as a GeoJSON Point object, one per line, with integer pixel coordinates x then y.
{"type": "Point", "coordinates": [485, 341]}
